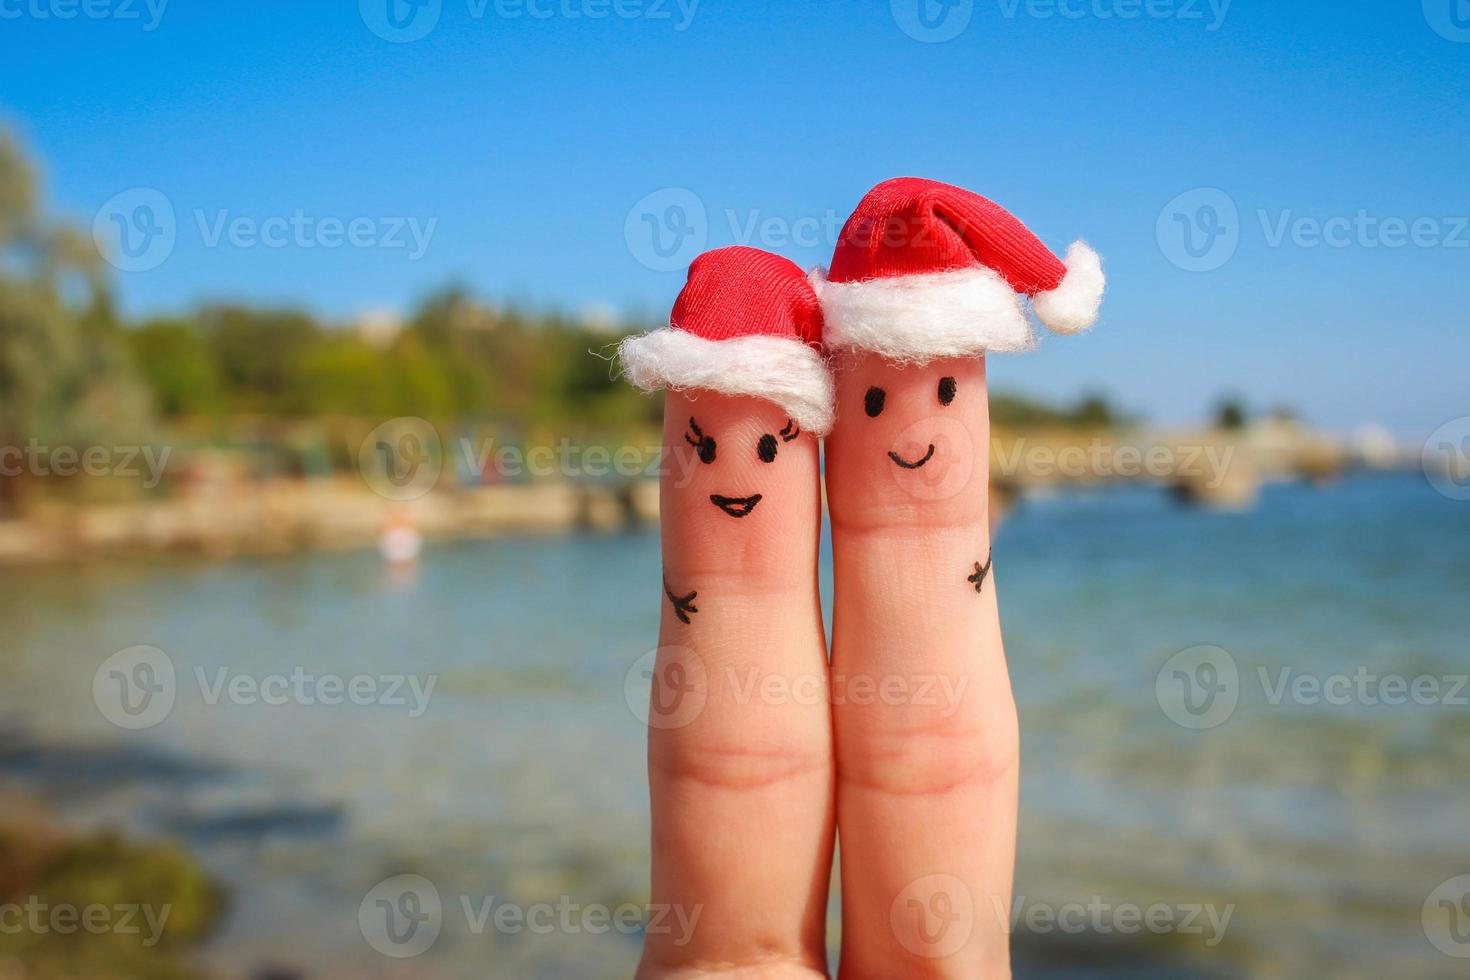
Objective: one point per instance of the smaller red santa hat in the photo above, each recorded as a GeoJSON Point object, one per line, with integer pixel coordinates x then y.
{"type": "Point", "coordinates": [746, 323]}
{"type": "Point", "coordinates": [924, 270]}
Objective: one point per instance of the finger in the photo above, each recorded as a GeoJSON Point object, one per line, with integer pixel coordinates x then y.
{"type": "Point", "coordinates": [739, 750]}
{"type": "Point", "coordinates": [927, 756]}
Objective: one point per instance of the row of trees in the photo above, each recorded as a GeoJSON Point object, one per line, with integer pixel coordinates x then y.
{"type": "Point", "coordinates": [73, 373]}
{"type": "Point", "coordinates": [452, 359]}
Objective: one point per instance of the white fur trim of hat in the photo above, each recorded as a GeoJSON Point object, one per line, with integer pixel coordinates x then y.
{"type": "Point", "coordinates": [781, 370]}
{"type": "Point", "coordinates": [962, 312]}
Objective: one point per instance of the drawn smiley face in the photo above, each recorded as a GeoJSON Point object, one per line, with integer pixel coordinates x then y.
{"type": "Point", "coordinates": [909, 436]}
{"type": "Point", "coordinates": [875, 400]}
{"type": "Point", "coordinates": [765, 449]}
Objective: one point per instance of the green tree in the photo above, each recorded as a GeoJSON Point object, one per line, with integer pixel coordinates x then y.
{"type": "Point", "coordinates": [258, 354]}
{"type": "Point", "coordinates": [345, 377]}
{"type": "Point", "coordinates": [178, 366]}
{"type": "Point", "coordinates": [1094, 412]}
{"type": "Point", "coordinates": [65, 377]}
{"type": "Point", "coordinates": [1230, 414]}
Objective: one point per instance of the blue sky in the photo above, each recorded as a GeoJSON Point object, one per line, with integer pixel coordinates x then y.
{"type": "Point", "coordinates": [1315, 154]}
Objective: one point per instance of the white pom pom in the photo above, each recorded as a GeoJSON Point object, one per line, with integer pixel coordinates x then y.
{"type": "Point", "coordinates": [1072, 307]}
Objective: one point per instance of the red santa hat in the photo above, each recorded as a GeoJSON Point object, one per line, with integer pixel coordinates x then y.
{"type": "Point", "coordinates": [746, 323]}
{"type": "Point", "coordinates": [925, 270]}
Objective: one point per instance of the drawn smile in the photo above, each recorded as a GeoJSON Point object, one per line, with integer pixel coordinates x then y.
{"type": "Point", "coordinates": [917, 463]}
{"type": "Point", "coordinates": [735, 506]}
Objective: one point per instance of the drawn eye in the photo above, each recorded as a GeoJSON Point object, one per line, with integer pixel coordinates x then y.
{"type": "Point", "coordinates": [766, 448]}
{"type": "Point", "coordinates": [703, 444]}
{"type": "Point", "coordinates": [946, 390]}
{"type": "Point", "coordinates": [873, 402]}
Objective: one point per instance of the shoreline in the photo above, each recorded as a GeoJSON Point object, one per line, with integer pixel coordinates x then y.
{"type": "Point", "coordinates": [235, 517]}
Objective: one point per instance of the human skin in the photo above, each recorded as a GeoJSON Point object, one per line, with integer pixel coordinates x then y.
{"type": "Point", "coordinates": [912, 749]}
{"type": "Point", "coordinates": [926, 792]}
{"type": "Point", "coordinates": [740, 743]}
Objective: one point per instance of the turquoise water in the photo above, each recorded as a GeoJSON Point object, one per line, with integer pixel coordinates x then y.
{"type": "Point", "coordinates": [1322, 826]}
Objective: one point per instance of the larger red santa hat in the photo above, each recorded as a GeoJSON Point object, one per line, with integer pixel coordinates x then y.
{"type": "Point", "coordinates": [746, 323]}
{"type": "Point", "coordinates": [924, 270]}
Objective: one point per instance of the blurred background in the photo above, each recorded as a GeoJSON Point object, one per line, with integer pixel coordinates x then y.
{"type": "Point", "coordinates": [328, 533]}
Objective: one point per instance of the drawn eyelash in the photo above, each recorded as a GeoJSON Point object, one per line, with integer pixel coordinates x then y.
{"type": "Point", "coordinates": [704, 445]}
{"type": "Point", "coordinates": [791, 431]}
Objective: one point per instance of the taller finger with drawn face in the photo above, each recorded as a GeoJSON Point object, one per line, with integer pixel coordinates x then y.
{"type": "Point", "coordinates": [740, 768]}
{"type": "Point", "coordinates": [927, 280]}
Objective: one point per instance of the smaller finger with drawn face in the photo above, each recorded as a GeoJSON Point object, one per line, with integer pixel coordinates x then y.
{"type": "Point", "coordinates": [741, 785]}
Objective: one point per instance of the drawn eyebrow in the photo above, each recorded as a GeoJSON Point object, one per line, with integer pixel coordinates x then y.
{"type": "Point", "coordinates": [791, 431]}
{"type": "Point", "coordinates": [694, 427]}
